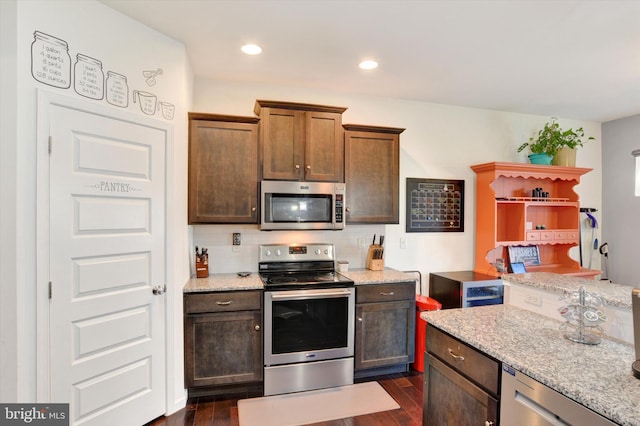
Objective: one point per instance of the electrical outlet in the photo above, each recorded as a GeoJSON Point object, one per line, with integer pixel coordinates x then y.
{"type": "Point", "coordinates": [361, 243]}
{"type": "Point", "coordinates": [236, 239]}
{"type": "Point", "coordinates": [533, 299]}
{"type": "Point", "coordinates": [403, 243]}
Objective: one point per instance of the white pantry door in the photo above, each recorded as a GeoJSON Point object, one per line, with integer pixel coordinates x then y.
{"type": "Point", "coordinates": [107, 253]}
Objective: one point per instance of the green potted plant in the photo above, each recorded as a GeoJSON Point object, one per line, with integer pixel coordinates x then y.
{"type": "Point", "coordinates": [552, 140]}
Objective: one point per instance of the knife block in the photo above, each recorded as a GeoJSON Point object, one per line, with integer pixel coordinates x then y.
{"type": "Point", "coordinates": [375, 262]}
{"type": "Point", "coordinates": [202, 266]}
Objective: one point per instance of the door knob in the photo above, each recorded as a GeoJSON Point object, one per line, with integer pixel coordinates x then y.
{"type": "Point", "coordinates": [158, 290]}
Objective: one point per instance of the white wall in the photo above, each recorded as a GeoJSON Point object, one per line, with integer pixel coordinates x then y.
{"type": "Point", "coordinates": [621, 209]}
{"type": "Point", "coordinates": [8, 212]}
{"type": "Point", "coordinates": [128, 48]}
{"type": "Point", "coordinates": [440, 141]}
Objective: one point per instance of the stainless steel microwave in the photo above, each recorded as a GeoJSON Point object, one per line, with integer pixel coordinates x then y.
{"type": "Point", "coordinates": [302, 205]}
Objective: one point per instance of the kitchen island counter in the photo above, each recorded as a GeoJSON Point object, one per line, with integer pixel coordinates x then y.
{"type": "Point", "coordinates": [598, 377]}
{"type": "Point", "coordinates": [614, 294]}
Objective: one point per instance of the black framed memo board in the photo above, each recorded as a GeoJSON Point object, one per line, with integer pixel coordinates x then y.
{"type": "Point", "coordinates": [435, 205]}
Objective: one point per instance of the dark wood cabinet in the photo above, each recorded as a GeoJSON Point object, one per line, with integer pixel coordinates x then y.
{"type": "Point", "coordinates": [461, 384]}
{"type": "Point", "coordinates": [385, 328]}
{"type": "Point", "coordinates": [301, 141]}
{"type": "Point", "coordinates": [223, 342]}
{"type": "Point", "coordinates": [372, 173]}
{"type": "Point", "coordinates": [223, 169]}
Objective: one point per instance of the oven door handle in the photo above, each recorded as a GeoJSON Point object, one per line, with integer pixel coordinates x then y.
{"type": "Point", "coordinates": [310, 294]}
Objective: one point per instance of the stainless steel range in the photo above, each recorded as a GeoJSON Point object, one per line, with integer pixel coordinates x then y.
{"type": "Point", "coordinates": [309, 319]}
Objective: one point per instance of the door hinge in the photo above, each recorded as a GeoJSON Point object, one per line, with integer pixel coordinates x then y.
{"type": "Point", "coordinates": [50, 144]}
{"type": "Point", "coordinates": [50, 290]}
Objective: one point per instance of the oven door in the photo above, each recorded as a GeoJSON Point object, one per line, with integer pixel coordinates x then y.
{"type": "Point", "coordinates": [308, 325]}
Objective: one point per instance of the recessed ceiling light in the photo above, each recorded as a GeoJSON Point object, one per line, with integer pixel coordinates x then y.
{"type": "Point", "coordinates": [251, 49]}
{"type": "Point", "coordinates": [368, 64]}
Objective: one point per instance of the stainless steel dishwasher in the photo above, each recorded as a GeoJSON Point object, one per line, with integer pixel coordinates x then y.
{"type": "Point", "coordinates": [525, 401]}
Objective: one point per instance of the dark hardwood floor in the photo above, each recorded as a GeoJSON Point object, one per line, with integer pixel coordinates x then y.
{"type": "Point", "coordinates": [405, 388]}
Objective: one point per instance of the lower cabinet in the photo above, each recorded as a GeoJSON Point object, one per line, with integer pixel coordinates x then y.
{"type": "Point", "coordinates": [461, 384]}
{"type": "Point", "coordinates": [223, 342]}
{"type": "Point", "coordinates": [385, 328]}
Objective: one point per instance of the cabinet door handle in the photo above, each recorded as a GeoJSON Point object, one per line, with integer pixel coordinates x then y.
{"type": "Point", "coordinates": [227, 303]}
{"type": "Point", "coordinates": [391, 293]}
{"type": "Point", "coordinates": [454, 355]}
{"type": "Point", "coordinates": [257, 327]}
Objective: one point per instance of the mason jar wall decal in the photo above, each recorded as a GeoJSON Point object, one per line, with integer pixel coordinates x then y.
{"type": "Point", "coordinates": [117, 89]}
{"type": "Point", "coordinates": [88, 77]}
{"type": "Point", "coordinates": [50, 60]}
{"type": "Point", "coordinates": [146, 100]}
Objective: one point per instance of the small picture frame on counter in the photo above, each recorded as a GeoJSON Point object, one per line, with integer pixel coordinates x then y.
{"type": "Point", "coordinates": [528, 255]}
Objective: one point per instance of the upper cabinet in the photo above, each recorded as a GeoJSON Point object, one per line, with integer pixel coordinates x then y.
{"type": "Point", "coordinates": [301, 141]}
{"type": "Point", "coordinates": [223, 169]}
{"type": "Point", "coordinates": [372, 173]}
{"type": "Point", "coordinates": [510, 214]}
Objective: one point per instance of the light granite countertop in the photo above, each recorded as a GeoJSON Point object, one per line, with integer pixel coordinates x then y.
{"type": "Point", "coordinates": [614, 294]}
{"type": "Point", "coordinates": [598, 377]}
{"type": "Point", "coordinates": [231, 282]}
{"type": "Point", "coordinates": [223, 282]}
{"type": "Point", "coordinates": [363, 276]}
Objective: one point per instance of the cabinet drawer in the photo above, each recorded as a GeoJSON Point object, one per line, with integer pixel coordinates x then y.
{"type": "Point", "coordinates": [533, 235]}
{"type": "Point", "coordinates": [546, 235]}
{"type": "Point", "coordinates": [471, 363]}
{"type": "Point", "coordinates": [222, 301]}
{"type": "Point", "coordinates": [385, 292]}
{"type": "Point", "coordinates": [566, 235]}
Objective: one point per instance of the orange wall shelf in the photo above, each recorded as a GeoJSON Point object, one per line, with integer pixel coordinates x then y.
{"type": "Point", "coordinates": [507, 214]}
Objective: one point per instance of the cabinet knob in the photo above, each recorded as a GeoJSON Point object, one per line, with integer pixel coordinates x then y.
{"type": "Point", "coordinates": [308, 167]}
{"type": "Point", "coordinates": [257, 327]}
{"type": "Point", "coordinates": [253, 209]}
{"type": "Point", "coordinates": [360, 319]}
{"type": "Point", "coordinates": [297, 166]}
{"type": "Point", "coordinates": [348, 209]}
{"type": "Point", "coordinates": [488, 423]}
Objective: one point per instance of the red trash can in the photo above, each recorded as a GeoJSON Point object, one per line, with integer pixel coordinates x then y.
{"type": "Point", "coordinates": [423, 303]}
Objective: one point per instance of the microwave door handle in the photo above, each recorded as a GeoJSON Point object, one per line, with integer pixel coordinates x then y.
{"type": "Point", "coordinates": [309, 294]}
